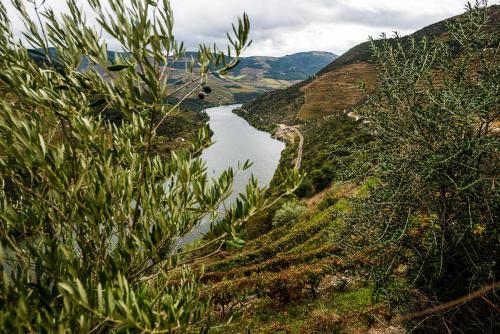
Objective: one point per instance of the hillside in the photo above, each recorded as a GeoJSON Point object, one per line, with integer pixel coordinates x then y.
{"type": "Point", "coordinates": [335, 88]}
{"type": "Point", "coordinates": [322, 105]}
{"type": "Point", "coordinates": [295, 279]}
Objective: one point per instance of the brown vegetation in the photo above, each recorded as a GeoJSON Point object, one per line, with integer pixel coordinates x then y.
{"type": "Point", "coordinates": [337, 90]}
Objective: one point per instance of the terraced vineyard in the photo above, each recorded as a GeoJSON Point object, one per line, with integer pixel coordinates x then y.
{"type": "Point", "coordinates": [337, 90]}
{"type": "Point", "coordinates": [299, 269]}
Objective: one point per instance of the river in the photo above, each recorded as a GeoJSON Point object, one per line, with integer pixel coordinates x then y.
{"type": "Point", "coordinates": [235, 140]}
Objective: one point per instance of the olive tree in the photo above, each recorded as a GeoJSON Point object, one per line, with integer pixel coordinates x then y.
{"type": "Point", "coordinates": [435, 202]}
{"type": "Point", "coordinates": [90, 214]}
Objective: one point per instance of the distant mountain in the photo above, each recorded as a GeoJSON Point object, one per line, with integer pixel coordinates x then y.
{"type": "Point", "coordinates": [298, 66]}
{"type": "Point", "coordinates": [261, 74]}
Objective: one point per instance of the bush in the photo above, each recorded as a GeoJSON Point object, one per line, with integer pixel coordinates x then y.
{"type": "Point", "coordinates": [433, 119]}
{"type": "Point", "coordinates": [289, 213]}
{"type": "Point", "coordinates": [306, 188]}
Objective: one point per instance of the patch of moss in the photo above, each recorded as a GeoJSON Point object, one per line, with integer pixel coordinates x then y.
{"type": "Point", "coordinates": [354, 300]}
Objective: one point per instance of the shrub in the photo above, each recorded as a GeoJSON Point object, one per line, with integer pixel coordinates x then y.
{"type": "Point", "coordinates": [306, 188]}
{"type": "Point", "coordinates": [289, 213]}
{"type": "Point", "coordinates": [433, 120]}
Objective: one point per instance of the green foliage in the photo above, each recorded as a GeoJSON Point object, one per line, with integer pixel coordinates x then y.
{"type": "Point", "coordinates": [91, 215]}
{"type": "Point", "coordinates": [333, 151]}
{"type": "Point", "coordinates": [295, 236]}
{"type": "Point", "coordinates": [306, 188]}
{"type": "Point", "coordinates": [436, 202]}
{"type": "Point", "coordinates": [289, 213]}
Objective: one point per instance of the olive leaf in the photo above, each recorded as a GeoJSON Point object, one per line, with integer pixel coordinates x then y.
{"type": "Point", "coordinates": [119, 67]}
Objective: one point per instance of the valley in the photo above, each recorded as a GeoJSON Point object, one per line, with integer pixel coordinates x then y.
{"type": "Point", "coordinates": [157, 190]}
{"type": "Point", "coordinates": [257, 74]}
{"type": "Point", "coordinates": [235, 142]}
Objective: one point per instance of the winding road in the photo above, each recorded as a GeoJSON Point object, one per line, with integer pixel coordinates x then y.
{"type": "Point", "coordinates": [300, 150]}
{"type": "Point", "coordinates": [282, 130]}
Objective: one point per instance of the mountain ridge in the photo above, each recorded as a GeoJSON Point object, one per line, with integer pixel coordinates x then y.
{"type": "Point", "coordinates": [262, 74]}
{"type": "Point", "coordinates": [310, 61]}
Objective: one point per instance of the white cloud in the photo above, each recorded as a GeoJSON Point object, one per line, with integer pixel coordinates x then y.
{"type": "Point", "coordinates": [282, 27]}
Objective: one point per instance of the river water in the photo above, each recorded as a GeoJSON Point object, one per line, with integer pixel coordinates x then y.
{"type": "Point", "coordinates": [235, 140]}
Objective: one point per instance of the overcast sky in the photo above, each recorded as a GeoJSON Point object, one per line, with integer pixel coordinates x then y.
{"type": "Point", "coordinates": [281, 27]}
